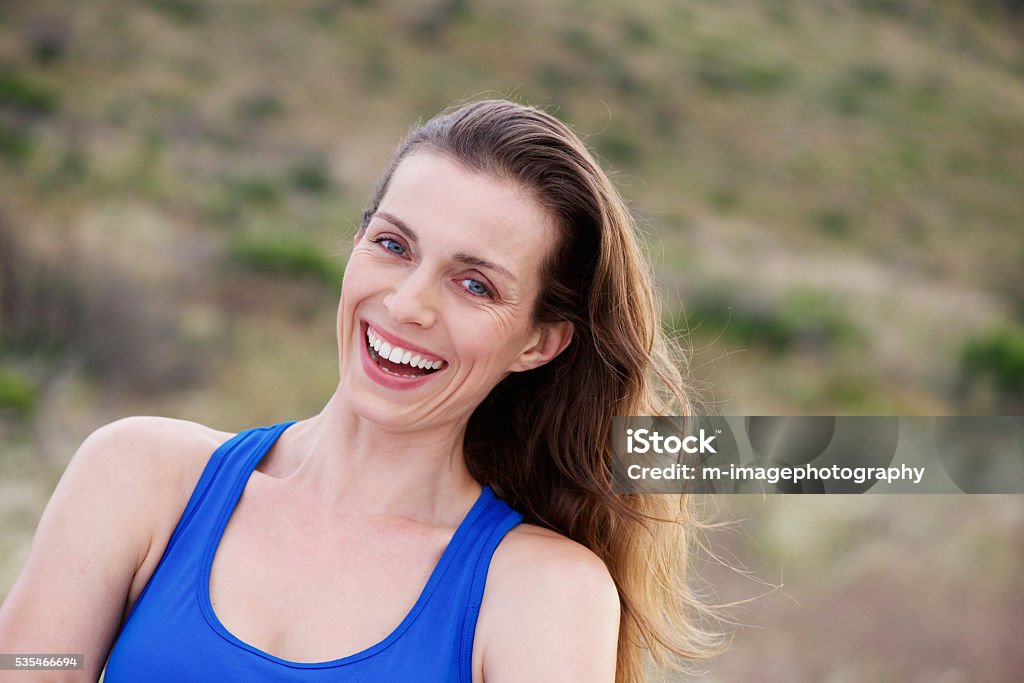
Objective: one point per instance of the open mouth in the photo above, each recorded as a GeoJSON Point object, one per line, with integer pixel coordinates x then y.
{"type": "Point", "coordinates": [398, 361]}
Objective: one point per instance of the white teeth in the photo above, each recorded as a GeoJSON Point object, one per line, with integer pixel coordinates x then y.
{"type": "Point", "coordinates": [396, 354]}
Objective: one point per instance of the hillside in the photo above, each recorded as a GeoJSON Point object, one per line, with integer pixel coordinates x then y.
{"type": "Point", "coordinates": [845, 175]}
{"type": "Point", "coordinates": [831, 192]}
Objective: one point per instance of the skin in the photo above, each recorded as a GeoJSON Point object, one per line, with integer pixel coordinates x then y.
{"type": "Point", "coordinates": [360, 500]}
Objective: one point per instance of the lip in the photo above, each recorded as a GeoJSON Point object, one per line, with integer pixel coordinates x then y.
{"type": "Point", "coordinates": [396, 341]}
{"type": "Point", "coordinates": [386, 379]}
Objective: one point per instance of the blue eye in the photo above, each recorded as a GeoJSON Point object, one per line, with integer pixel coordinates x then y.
{"type": "Point", "coordinates": [476, 287]}
{"type": "Point", "coordinates": [394, 246]}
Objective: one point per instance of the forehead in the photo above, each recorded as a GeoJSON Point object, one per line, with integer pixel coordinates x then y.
{"type": "Point", "coordinates": [453, 207]}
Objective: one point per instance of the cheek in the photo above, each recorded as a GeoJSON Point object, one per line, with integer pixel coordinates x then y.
{"type": "Point", "coordinates": [355, 288]}
{"type": "Point", "coordinates": [493, 342]}
{"type": "Point", "coordinates": [358, 277]}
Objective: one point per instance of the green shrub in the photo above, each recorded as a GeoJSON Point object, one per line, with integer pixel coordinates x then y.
{"type": "Point", "coordinates": [909, 155]}
{"type": "Point", "coordinates": [804, 317]}
{"type": "Point", "coordinates": [858, 87]}
{"type": "Point", "coordinates": [258, 107]}
{"type": "Point", "coordinates": [726, 74]}
{"type": "Point", "coordinates": [871, 77]}
{"type": "Point", "coordinates": [286, 255]}
{"type": "Point", "coordinates": [184, 12]}
{"type": "Point", "coordinates": [554, 77]}
{"type": "Point", "coordinates": [21, 93]}
{"type": "Point", "coordinates": [618, 146]}
{"type": "Point", "coordinates": [890, 8]}
{"type": "Point", "coordinates": [638, 33]}
{"type": "Point", "coordinates": [813, 317]}
{"type": "Point", "coordinates": [996, 355]}
{"type": "Point", "coordinates": [579, 41]}
{"type": "Point", "coordinates": [311, 175]}
{"type": "Point", "coordinates": [725, 199]}
{"type": "Point", "coordinates": [16, 145]}
{"type": "Point", "coordinates": [17, 393]}
{"type": "Point", "coordinates": [833, 221]}
{"type": "Point", "coordinates": [437, 18]}
{"type": "Point", "coordinates": [929, 95]}
{"type": "Point", "coordinates": [260, 191]}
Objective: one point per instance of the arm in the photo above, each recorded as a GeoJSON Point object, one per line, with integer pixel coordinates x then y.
{"type": "Point", "coordinates": [96, 533]}
{"type": "Point", "coordinates": [550, 613]}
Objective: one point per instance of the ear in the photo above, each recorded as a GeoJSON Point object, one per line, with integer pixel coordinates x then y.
{"type": "Point", "coordinates": [547, 341]}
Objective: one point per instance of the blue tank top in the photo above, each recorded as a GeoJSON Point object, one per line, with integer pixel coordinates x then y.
{"type": "Point", "coordinates": [172, 633]}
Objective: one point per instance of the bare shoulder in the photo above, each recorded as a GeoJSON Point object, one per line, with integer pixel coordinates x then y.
{"type": "Point", "coordinates": [543, 558]}
{"type": "Point", "coordinates": [533, 564]}
{"type": "Point", "coordinates": [158, 437]}
{"type": "Point", "coordinates": [550, 611]}
{"type": "Point", "coordinates": [150, 465]}
{"type": "Point", "coordinates": [156, 447]}
{"type": "Point", "coordinates": [139, 471]}
{"type": "Point", "coordinates": [102, 533]}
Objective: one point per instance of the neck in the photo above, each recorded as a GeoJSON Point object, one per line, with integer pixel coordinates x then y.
{"type": "Point", "coordinates": [352, 465]}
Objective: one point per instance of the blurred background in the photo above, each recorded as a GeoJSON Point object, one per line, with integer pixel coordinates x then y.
{"type": "Point", "coordinates": [831, 192]}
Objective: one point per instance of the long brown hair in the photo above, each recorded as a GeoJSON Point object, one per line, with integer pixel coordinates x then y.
{"type": "Point", "coordinates": [542, 439]}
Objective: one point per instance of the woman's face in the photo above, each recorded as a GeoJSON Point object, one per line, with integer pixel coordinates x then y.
{"type": "Point", "coordinates": [438, 294]}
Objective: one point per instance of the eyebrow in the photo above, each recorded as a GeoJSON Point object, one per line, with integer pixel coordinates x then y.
{"type": "Point", "coordinates": [461, 256]}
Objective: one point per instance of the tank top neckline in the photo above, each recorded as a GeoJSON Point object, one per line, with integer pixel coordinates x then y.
{"type": "Point", "coordinates": [227, 509]}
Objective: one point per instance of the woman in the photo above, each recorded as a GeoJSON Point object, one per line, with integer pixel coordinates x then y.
{"type": "Point", "coordinates": [496, 312]}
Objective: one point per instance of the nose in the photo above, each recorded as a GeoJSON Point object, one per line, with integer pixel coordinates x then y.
{"type": "Point", "coordinates": [412, 299]}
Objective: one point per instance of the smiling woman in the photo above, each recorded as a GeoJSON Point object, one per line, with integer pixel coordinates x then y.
{"type": "Point", "coordinates": [440, 271]}
{"type": "Point", "coordinates": [448, 515]}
